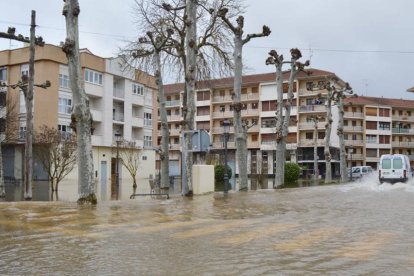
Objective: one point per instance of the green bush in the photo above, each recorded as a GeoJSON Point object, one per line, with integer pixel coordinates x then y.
{"type": "Point", "coordinates": [292, 171]}
{"type": "Point", "coordinates": [219, 173]}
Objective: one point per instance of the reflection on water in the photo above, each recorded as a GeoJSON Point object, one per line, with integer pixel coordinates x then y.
{"type": "Point", "coordinates": [341, 229]}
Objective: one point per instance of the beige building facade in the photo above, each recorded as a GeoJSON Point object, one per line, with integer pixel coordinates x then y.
{"type": "Point", "coordinates": [121, 103]}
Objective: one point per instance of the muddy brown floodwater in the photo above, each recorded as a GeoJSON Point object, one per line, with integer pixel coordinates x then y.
{"type": "Point", "coordinates": [358, 228]}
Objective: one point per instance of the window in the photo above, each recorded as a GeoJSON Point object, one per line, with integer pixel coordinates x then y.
{"type": "Point", "coordinates": [269, 106]}
{"type": "Point", "coordinates": [147, 119]}
{"type": "Point", "coordinates": [384, 112]}
{"type": "Point", "coordinates": [137, 89]}
{"type": "Point", "coordinates": [22, 132]}
{"type": "Point", "coordinates": [144, 157]}
{"type": "Point", "coordinates": [384, 126]}
{"type": "Point", "coordinates": [93, 77]}
{"type": "Point", "coordinates": [65, 106]}
{"type": "Point", "coordinates": [63, 81]}
{"type": "Point", "coordinates": [309, 135]}
{"type": "Point", "coordinates": [203, 96]}
{"type": "Point", "coordinates": [372, 153]}
{"type": "Point", "coordinates": [397, 163]}
{"type": "Point", "coordinates": [384, 139]}
{"type": "Point", "coordinates": [147, 141]}
{"type": "Point", "coordinates": [321, 135]}
{"type": "Point", "coordinates": [371, 139]}
{"type": "Point", "coordinates": [2, 125]}
{"type": "Point", "coordinates": [371, 111]}
{"type": "Point", "coordinates": [24, 70]}
{"type": "Point", "coordinates": [203, 110]}
{"type": "Point", "coordinates": [371, 125]}
{"type": "Point", "coordinates": [254, 105]}
{"type": "Point", "coordinates": [2, 99]}
{"type": "Point", "coordinates": [386, 164]}
{"type": "Point", "coordinates": [3, 74]}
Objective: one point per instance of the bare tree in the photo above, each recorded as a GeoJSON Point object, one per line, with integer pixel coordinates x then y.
{"type": "Point", "coordinates": [130, 157]}
{"type": "Point", "coordinates": [146, 55]}
{"type": "Point", "coordinates": [81, 114]}
{"type": "Point", "coordinates": [56, 152]}
{"type": "Point", "coordinates": [9, 122]}
{"type": "Point", "coordinates": [282, 122]}
{"type": "Point", "coordinates": [195, 56]}
{"type": "Point", "coordinates": [240, 128]}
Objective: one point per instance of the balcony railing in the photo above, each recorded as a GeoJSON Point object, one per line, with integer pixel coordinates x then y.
{"type": "Point", "coordinates": [251, 96]}
{"type": "Point", "coordinates": [250, 112]}
{"type": "Point", "coordinates": [312, 108]}
{"type": "Point", "coordinates": [119, 93]}
{"type": "Point", "coordinates": [310, 142]}
{"type": "Point", "coordinates": [220, 145]}
{"type": "Point", "coordinates": [226, 98]}
{"type": "Point", "coordinates": [353, 128]}
{"type": "Point", "coordinates": [353, 115]}
{"type": "Point", "coordinates": [356, 156]}
{"type": "Point", "coordinates": [253, 144]}
{"type": "Point", "coordinates": [354, 143]}
{"type": "Point", "coordinates": [402, 118]}
{"type": "Point", "coordinates": [403, 130]}
{"type": "Point", "coordinates": [218, 130]}
{"type": "Point", "coordinates": [402, 144]}
{"type": "Point", "coordinates": [321, 125]}
{"type": "Point", "coordinates": [225, 114]}
{"type": "Point", "coordinates": [172, 103]}
{"type": "Point", "coordinates": [118, 117]}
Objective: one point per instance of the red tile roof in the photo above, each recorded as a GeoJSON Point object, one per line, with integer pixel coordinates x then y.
{"type": "Point", "coordinates": [396, 103]}
{"type": "Point", "coordinates": [246, 80]}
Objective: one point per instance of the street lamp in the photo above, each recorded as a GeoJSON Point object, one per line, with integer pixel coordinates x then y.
{"type": "Point", "coordinates": [351, 151]}
{"type": "Point", "coordinates": [226, 129]}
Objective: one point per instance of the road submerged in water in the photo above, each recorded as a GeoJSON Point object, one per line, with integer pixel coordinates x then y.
{"type": "Point", "coordinates": [357, 228]}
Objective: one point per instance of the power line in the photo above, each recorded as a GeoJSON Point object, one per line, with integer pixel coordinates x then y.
{"type": "Point", "coordinates": [311, 50]}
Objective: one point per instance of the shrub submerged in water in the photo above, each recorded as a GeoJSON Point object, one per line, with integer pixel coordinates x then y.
{"type": "Point", "coordinates": [219, 173]}
{"type": "Point", "coordinates": [292, 171]}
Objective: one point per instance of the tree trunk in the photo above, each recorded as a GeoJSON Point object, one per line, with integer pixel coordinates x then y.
{"type": "Point", "coordinates": [28, 97]}
{"type": "Point", "coordinates": [2, 186]}
{"type": "Point", "coordinates": [315, 151]}
{"type": "Point", "coordinates": [240, 131]}
{"type": "Point", "coordinates": [342, 152]}
{"type": "Point", "coordinates": [280, 141]}
{"type": "Point", "coordinates": [165, 138]}
{"type": "Point", "coordinates": [81, 113]}
{"type": "Point", "coordinates": [327, 152]}
{"type": "Point", "coordinates": [190, 79]}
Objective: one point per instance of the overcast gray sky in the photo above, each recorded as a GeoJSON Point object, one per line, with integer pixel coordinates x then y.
{"type": "Point", "coordinates": [369, 43]}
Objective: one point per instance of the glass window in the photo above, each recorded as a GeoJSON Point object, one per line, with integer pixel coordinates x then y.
{"type": "Point", "coordinates": [93, 77]}
{"type": "Point", "coordinates": [3, 74]}
{"type": "Point", "coordinates": [397, 163]}
{"type": "Point", "coordinates": [356, 170]}
{"type": "Point", "coordinates": [364, 170]}
{"type": "Point", "coordinates": [137, 89]}
{"type": "Point", "coordinates": [386, 164]}
{"type": "Point", "coordinates": [65, 106]}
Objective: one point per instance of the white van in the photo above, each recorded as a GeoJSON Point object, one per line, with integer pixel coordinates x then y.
{"type": "Point", "coordinates": [360, 171]}
{"type": "Point", "coordinates": [394, 168]}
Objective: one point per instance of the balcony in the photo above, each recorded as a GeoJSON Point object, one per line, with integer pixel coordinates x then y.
{"type": "Point", "coordinates": [174, 103]}
{"type": "Point", "coordinates": [173, 132]}
{"type": "Point", "coordinates": [119, 117]}
{"type": "Point", "coordinates": [173, 118]}
{"type": "Point", "coordinates": [402, 118]}
{"type": "Point", "coordinates": [354, 115]}
{"type": "Point", "coordinates": [357, 143]}
{"type": "Point", "coordinates": [402, 144]}
{"type": "Point", "coordinates": [312, 108]}
{"type": "Point", "coordinates": [250, 97]}
{"type": "Point", "coordinates": [255, 128]}
{"type": "Point", "coordinates": [271, 145]}
{"type": "Point", "coordinates": [253, 144]}
{"type": "Point", "coordinates": [250, 112]}
{"type": "Point", "coordinates": [353, 129]}
{"type": "Point", "coordinates": [225, 114]}
{"type": "Point", "coordinates": [97, 140]}
{"type": "Point", "coordinates": [219, 99]}
{"type": "Point", "coordinates": [137, 100]}
{"type": "Point", "coordinates": [219, 130]}
{"type": "Point", "coordinates": [137, 122]}
{"type": "Point", "coordinates": [96, 115]}
{"type": "Point", "coordinates": [174, 146]}
{"type": "Point", "coordinates": [220, 145]}
{"type": "Point", "coordinates": [118, 93]}
{"type": "Point", "coordinates": [355, 156]}
{"type": "Point", "coordinates": [302, 126]}
{"type": "Point", "coordinates": [310, 143]}
{"type": "Point", "coordinates": [402, 131]}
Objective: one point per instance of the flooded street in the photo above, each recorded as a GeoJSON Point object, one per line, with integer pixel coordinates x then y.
{"type": "Point", "coordinates": [357, 228]}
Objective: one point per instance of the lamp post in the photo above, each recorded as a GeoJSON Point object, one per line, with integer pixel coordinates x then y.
{"type": "Point", "coordinates": [226, 128]}
{"type": "Point", "coordinates": [351, 151]}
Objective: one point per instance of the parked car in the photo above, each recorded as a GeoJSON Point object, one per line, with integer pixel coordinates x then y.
{"type": "Point", "coordinates": [360, 171]}
{"type": "Point", "coordinates": [394, 168]}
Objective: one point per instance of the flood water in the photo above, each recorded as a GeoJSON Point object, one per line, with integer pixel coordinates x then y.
{"type": "Point", "coordinates": [356, 228]}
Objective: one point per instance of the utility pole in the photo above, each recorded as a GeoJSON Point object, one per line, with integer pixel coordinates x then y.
{"type": "Point", "coordinates": [315, 120]}
{"type": "Point", "coordinates": [26, 85]}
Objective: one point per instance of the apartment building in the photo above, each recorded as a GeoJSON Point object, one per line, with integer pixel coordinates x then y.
{"type": "Point", "coordinates": [376, 126]}
{"type": "Point", "coordinates": [121, 103]}
{"type": "Point", "coordinates": [214, 105]}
